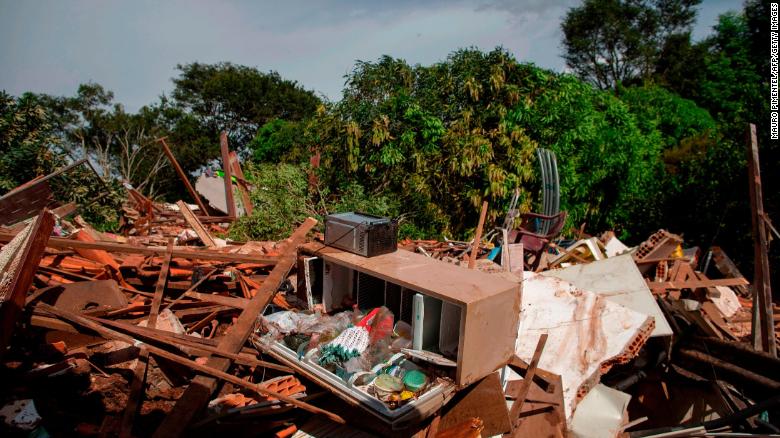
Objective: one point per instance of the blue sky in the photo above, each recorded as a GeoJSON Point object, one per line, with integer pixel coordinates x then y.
{"type": "Point", "coordinates": [132, 47]}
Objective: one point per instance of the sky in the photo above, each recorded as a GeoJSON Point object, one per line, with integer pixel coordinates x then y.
{"type": "Point", "coordinates": [133, 47]}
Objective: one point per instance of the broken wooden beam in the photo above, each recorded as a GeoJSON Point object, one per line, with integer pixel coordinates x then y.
{"type": "Point", "coordinates": [195, 224]}
{"type": "Point", "coordinates": [231, 203]}
{"type": "Point", "coordinates": [59, 242]}
{"type": "Point", "coordinates": [190, 342]}
{"type": "Point", "coordinates": [478, 236]}
{"type": "Point", "coordinates": [522, 392]}
{"type": "Point", "coordinates": [242, 184]}
{"type": "Point", "coordinates": [731, 368]}
{"type": "Point", "coordinates": [694, 284]}
{"type": "Point", "coordinates": [18, 271]}
{"type": "Point", "coordinates": [763, 329]}
{"type": "Point", "coordinates": [183, 176]}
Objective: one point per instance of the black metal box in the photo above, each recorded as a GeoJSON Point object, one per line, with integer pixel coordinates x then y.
{"type": "Point", "coordinates": [362, 234]}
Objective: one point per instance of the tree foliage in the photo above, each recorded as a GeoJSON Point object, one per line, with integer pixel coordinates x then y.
{"type": "Point", "coordinates": [25, 137]}
{"type": "Point", "coordinates": [608, 42]}
{"type": "Point", "coordinates": [239, 99]}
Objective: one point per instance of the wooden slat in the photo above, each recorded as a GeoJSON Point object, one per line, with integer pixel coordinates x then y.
{"type": "Point", "coordinates": [59, 242]}
{"type": "Point", "coordinates": [231, 203]}
{"type": "Point", "coordinates": [763, 329]}
{"type": "Point", "coordinates": [478, 236]}
{"type": "Point", "coordinates": [198, 393]}
{"type": "Point", "coordinates": [193, 222]}
{"type": "Point", "coordinates": [183, 176]}
{"type": "Point", "coordinates": [142, 366]}
{"type": "Point", "coordinates": [695, 284]}
{"type": "Point", "coordinates": [242, 188]}
{"type": "Point", "coordinates": [522, 392]}
{"type": "Point", "coordinates": [180, 341]}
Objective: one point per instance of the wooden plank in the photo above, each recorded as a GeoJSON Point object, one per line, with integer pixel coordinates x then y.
{"type": "Point", "coordinates": [159, 289]}
{"type": "Point", "coordinates": [763, 329]}
{"type": "Point", "coordinates": [40, 180]}
{"type": "Point", "coordinates": [142, 366]}
{"type": "Point", "coordinates": [205, 369]}
{"type": "Point", "coordinates": [193, 221]}
{"type": "Point", "coordinates": [695, 284]}
{"type": "Point", "coordinates": [190, 342]}
{"type": "Point", "coordinates": [727, 268]}
{"type": "Point", "coordinates": [522, 392]}
{"type": "Point", "coordinates": [198, 393]}
{"type": "Point", "coordinates": [242, 188]}
{"type": "Point", "coordinates": [59, 242]}
{"type": "Point", "coordinates": [236, 302]}
{"type": "Point", "coordinates": [716, 318]}
{"type": "Point", "coordinates": [478, 236]}
{"type": "Point", "coordinates": [485, 399]}
{"type": "Point", "coordinates": [735, 370]}
{"type": "Point", "coordinates": [231, 203]}
{"type": "Point", "coordinates": [183, 177]}
{"type": "Point", "coordinates": [203, 322]}
{"type": "Point", "coordinates": [21, 269]}
{"type": "Point", "coordinates": [193, 287]}
{"type": "Point", "coordinates": [542, 414]}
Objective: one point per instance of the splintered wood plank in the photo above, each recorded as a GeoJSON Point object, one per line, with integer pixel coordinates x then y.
{"type": "Point", "coordinates": [199, 391]}
{"type": "Point", "coordinates": [522, 392]}
{"type": "Point", "coordinates": [142, 366]}
{"type": "Point", "coordinates": [159, 290]}
{"type": "Point", "coordinates": [694, 284]}
{"type": "Point", "coordinates": [478, 236]}
{"type": "Point", "coordinates": [242, 188]}
{"type": "Point", "coordinates": [763, 329]}
{"type": "Point", "coordinates": [193, 221]}
{"type": "Point", "coordinates": [59, 242]}
{"type": "Point", "coordinates": [183, 176]}
{"type": "Point", "coordinates": [231, 203]}
{"type": "Point", "coordinates": [22, 267]}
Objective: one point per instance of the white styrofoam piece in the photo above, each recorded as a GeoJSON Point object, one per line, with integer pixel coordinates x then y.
{"type": "Point", "coordinates": [620, 281]}
{"type": "Point", "coordinates": [726, 301]}
{"type": "Point", "coordinates": [601, 414]}
{"type": "Point", "coordinates": [587, 333]}
{"type": "Point", "coordinates": [614, 247]}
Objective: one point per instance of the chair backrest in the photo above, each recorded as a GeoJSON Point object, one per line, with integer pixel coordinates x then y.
{"type": "Point", "coordinates": [556, 225]}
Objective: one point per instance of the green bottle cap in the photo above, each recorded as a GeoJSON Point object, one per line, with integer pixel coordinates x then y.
{"type": "Point", "coordinates": [415, 380]}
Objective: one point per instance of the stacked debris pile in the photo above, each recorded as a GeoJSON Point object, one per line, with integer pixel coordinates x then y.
{"type": "Point", "coordinates": [166, 329]}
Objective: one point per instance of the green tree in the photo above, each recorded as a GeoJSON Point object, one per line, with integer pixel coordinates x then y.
{"type": "Point", "coordinates": [239, 99]}
{"type": "Point", "coordinates": [608, 42]}
{"type": "Point", "coordinates": [25, 138]}
{"type": "Point", "coordinates": [442, 138]}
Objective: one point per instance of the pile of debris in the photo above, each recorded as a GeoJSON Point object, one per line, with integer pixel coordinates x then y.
{"type": "Point", "coordinates": [168, 329]}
